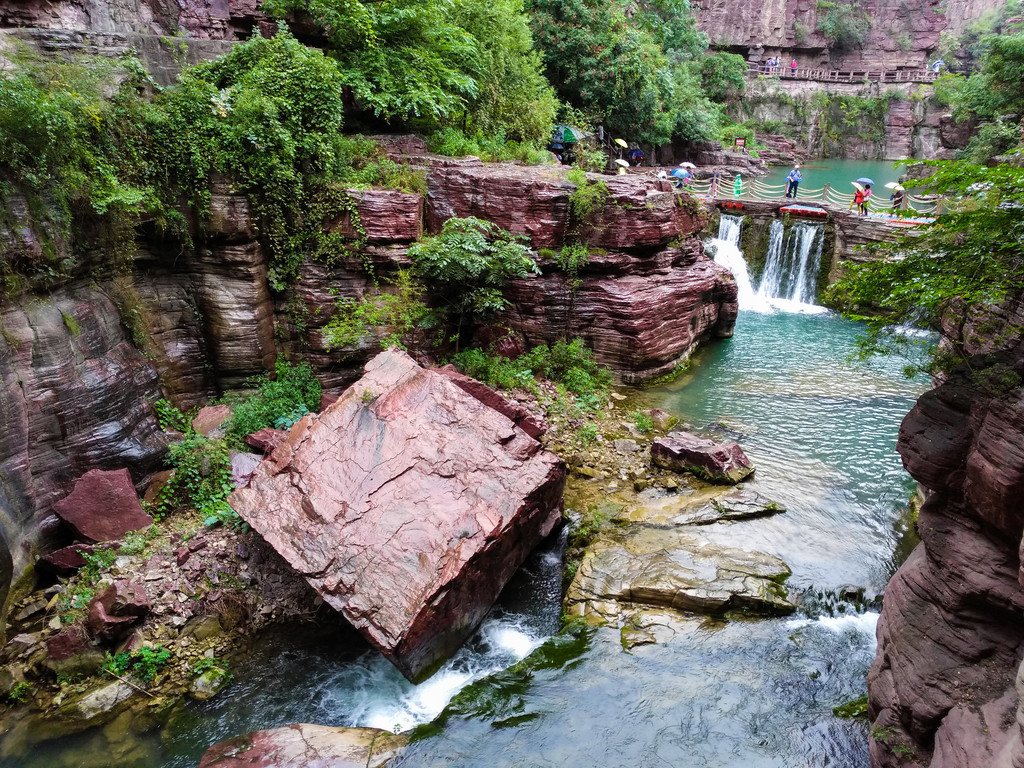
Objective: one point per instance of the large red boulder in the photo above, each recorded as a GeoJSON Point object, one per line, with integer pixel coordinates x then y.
{"type": "Point", "coordinates": [716, 462]}
{"type": "Point", "coordinates": [407, 505]}
{"type": "Point", "coordinates": [103, 506]}
{"type": "Point", "coordinates": [530, 424]}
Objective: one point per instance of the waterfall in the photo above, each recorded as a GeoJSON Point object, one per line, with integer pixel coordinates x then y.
{"type": "Point", "coordinates": [791, 267]}
{"type": "Point", "coordinates": [726, 248]}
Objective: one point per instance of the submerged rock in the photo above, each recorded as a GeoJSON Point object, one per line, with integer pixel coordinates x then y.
{"type": "Point", "coordinates": [305, 746]}
{"type": "Point", "coordinates": [715, 462]}
{"type": "Point", "coordinates": [407, 505]}
{"type": "Point", "coordinates": [103, 506]}
{"type": "Point", "coordinates": [643, 565]}
{"type": "Point", "coordinates": [734, 505]}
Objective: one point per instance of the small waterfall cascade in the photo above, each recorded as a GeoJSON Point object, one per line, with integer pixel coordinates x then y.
{"type": "Point", "coordinates": [791, 267]}
{"type": "Point", "coordinates": [726, 248]}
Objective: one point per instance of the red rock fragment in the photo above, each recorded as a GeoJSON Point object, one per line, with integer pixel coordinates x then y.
{"type": "Point", "coordinates": [103, 506]}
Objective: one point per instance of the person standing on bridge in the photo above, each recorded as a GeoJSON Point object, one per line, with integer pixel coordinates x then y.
{"type": "Point", "coordinates": [793, 181]}
{"type": "Point", "coordinates": [792, 67]}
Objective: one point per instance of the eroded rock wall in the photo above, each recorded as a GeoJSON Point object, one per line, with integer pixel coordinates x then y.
{"type": "Point", "coordinates": [944, 688]}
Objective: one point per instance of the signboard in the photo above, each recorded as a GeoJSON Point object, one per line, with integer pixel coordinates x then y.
{"type": "Point", "coordinates": [740, 142]}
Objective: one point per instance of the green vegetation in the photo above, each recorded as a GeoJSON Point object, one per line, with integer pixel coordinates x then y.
{"type": "Point", "coordinates": [858, 708]}
{"type": "Point", "coordinates": [202, 479]}
{"type": "Point", "coordinates": [489, 148]}
{"type": "Point", "coordinates": [74, 600]}
{"type": "Point", "coordinates": [468, 263]}
{"type": "Point", "coordinates": [399, 314]}
{"type": "Point", "coordinates": [972, 256]}
{"type": "Point", "coordinates": [293, 392]}
{"type": "Point", "coordinates": [570, 364]}
{"type": "Point", "coordinates": [636, 66]}
{"type": "Point", "coordinates": [363, 163]}
{"type": "Point", "coordinates": [642, 421]}
{"type": "Point", "coordinates": [142, 664]}
{"type": "Point", "coordinates": [19, 694]}
{"type": "Point", "coordinates": [843, 25]}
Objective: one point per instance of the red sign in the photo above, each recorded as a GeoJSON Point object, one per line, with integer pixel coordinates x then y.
{"type": "Point", "coordinates": [740, 142]}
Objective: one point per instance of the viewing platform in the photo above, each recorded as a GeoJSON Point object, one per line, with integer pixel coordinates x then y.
{"type": "Point", "coordinates": [784, 72]}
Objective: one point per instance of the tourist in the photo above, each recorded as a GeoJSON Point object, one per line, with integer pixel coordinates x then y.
{"type": "Point", "coordinates": [793, 181]}
{"type": "Point", "coordinates": [865, 199]}
{"type": "Point", "coordinates": [858, 200]}
{"type": "Point", "coordinates": [792, 67]}
{"type": "Point", "coordinates": [897, 199]}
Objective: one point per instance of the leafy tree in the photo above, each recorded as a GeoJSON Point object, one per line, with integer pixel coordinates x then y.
{"type": "Point", "coordinates": [973, 255]}
{"type": "Point", "coordinates": [722, 76]}
{"type": "Point", "coordinates": [843, 25]}
{"type": "Point", "coordinates": [513, 98]}
{"type": "Point", "coordinates": [401, 58]}
{"type": "Point", "coordinates": [469, 263]}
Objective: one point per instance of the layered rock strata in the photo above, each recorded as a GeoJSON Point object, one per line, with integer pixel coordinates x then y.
{"type": "Point", "coordinates": [407, 505]}
{"type": "Point", "coordinates": [945, 689]}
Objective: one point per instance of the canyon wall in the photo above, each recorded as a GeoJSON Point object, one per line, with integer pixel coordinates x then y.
{"type": "Point", "coordinates": [946, 687]}
{"type": "Point", "coordinates": [902, 33]}
{"type": "Point", "coordinates": [76, 393]}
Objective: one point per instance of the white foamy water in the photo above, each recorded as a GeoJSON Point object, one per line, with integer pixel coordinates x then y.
{"type": "Point", "coordinates": [861, 624]}
{"type": "Point", "coordinates": [386, 700]}
{"type": "Point", "coordinates": [726, 249]}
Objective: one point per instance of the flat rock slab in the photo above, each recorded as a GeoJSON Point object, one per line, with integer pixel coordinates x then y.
{"type": "Point", "coordinates": [715, 462]}
{"type": "Point", "coordinates": [103, 506]}
{"type": "Point", "coordinates": [734, 505]}
{"type": "Point", "coordinates": [407, 505]}
{"type": "Point", "coordinates": [645, 565]}
{"type": "Point", "coordinates": [306, 746]}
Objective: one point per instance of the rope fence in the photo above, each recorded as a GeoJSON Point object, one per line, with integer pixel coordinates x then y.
{"type": "Point", "coordinates": [738, 188]}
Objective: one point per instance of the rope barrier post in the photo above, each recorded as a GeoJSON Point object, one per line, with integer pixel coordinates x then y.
{"type": "Point", "coordinates": [824, 191]}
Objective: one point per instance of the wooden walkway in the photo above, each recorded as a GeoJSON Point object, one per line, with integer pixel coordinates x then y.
{"type": "Point", "coordinates": [784, 72]}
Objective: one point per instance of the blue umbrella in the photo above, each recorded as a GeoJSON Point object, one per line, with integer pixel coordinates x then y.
{"type": "Point", "coordinates": [865, 180]}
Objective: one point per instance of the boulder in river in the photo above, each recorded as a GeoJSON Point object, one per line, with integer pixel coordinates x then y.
{"type": "Point", "coordinates": [304, 746]}
{"type": "Point", "coordinates": [735, 504]}
{"type": "Point", "coordinates": [715, 462]}
{"type": "Point", "coordinates": [407, 505]}
{"type": "Point", "coordinates": [103, 506]}
{"type": "Point", "coordinates": [644, 565]}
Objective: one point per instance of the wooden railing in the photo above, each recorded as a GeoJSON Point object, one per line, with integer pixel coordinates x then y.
{"type": "Point", "coordinates": [785, 72]}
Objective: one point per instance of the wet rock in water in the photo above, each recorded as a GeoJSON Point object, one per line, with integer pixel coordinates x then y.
{"type": "Point", "coordinates": [303, 745]}
{"type": "Point", "coordinates": [675, 569]}
{"type": "Point", "coordinates": [407, 505]}
{"type": "Point", "coordinates": [209, 684]}
{"type": "Point", "coordinates": [715, 462]}
{"type": "Point", "coordinates": [210, 419]}
{"type": "Point", "coordinates": [115, 609]}
{"type": "Point", "coordinates": [734, 505]}
{"type": "Point", "coordinates": [266, 440]}
{"type": "Point", "coordinates": [103, 506]}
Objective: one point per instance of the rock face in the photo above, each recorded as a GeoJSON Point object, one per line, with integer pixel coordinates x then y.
{"type": "Point", "coordinates": [717, 462]}
{"type": "Point", "coordinates": [407, 504]}
{"type": "Point", "coordinates": [945, 687]}
{"type": "Point", "coordinates": [103, 506]}
{"type": "Point", "coordinates": [306, 746]}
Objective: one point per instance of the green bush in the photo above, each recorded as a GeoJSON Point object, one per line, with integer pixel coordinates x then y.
{"type": "Point", "coordinates": [494, 148]}
{"type": "Point", "coordinates": [843, 25]}
{"type": "Point", "coordinates": [202, 479]}
{"type": "Point", "coordinates": [364, 163]}
{"type": "Point", "coordinates": [142, 664]}
{"type": "Point", "coordinates": [400, 313]}
{"type": "Point", "coordinates": [642, 420]}
{"type": "Point", "coordinates": [293, 387]}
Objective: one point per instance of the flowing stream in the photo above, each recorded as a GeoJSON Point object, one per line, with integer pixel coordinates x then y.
{"type": "Point", "coordinates": [720, 694]}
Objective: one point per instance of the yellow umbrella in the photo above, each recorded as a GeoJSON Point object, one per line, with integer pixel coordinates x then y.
{"type": "Point", "coordinates": [622, 143]}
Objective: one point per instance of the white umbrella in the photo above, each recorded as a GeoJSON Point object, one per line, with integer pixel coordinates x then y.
{"type": "Point", "coordinates": [623, 163]}
{"type": "Point", "coordinates": [687, 165]}
{"type": "Point", "coordinates": [858, 186]}
{"type": "Point", "coordinates": [893, 185]}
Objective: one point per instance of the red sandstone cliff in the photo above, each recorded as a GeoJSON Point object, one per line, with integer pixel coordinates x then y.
{"type": "Point", "coordinates": [944, 688]}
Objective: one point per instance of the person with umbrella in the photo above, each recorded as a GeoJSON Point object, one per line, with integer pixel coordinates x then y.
{"type": "Point", "coordinates": [793, 180]}
{"type": "Point", "coordinates": [863, 194]}
{"type": "Point", "coordinates": [682, 175]}
{"type": "Point", "coordinates": [896, 196]}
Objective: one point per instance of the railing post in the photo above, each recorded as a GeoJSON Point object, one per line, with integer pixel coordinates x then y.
{"type": "Point", "coordinates": [824, 192]}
